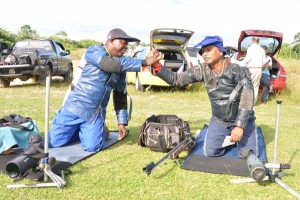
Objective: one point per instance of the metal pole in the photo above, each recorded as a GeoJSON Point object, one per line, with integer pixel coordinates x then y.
{"type": "Point", "coordinates": [276, 134]}
{"type": "Point", "coordinates": [46, 147]}
{"type": "Point", "coordinates": [288, 188]}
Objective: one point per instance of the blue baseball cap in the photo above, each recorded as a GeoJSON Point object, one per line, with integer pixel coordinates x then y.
{"type": "Point", "coordinates": [211, 40]}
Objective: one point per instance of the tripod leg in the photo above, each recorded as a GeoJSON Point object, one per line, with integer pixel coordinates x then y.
{"type": "Point", "coordinates": [288, 188]}
{"type": "Point", "coordinates": [56, 179]}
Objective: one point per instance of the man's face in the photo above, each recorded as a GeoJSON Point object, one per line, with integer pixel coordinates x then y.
{"type": "Point", "coordinates": [211, 54]}
{"type": "Point", "coordinates": [118, 47]}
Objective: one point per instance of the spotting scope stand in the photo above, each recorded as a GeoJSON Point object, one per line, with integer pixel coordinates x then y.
{"type": "Point", "coordinates": [273, 175]}
{"type": "Point", "coordinates": [45, 165]}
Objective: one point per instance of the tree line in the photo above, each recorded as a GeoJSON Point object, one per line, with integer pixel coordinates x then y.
{"type": "Point", "coordinates": [26, 32]}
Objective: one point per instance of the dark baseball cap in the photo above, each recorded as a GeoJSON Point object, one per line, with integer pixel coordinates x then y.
{"type": "Point", "coordinates": [211, 40]}
{"type": "Point", "coordinates": [120, 34]}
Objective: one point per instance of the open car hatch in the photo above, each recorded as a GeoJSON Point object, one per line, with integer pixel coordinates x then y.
{"type": "Point", "coordinates": [271, 39]}
{"type": "Point", "coordinates": [168, 38]}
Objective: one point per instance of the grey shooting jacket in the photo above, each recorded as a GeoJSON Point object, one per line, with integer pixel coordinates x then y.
{"type": "Point", "coordinates": [219, 89]}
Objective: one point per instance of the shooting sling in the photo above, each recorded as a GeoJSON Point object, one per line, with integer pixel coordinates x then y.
{"type": "Point", "coordinates": [163, 132]}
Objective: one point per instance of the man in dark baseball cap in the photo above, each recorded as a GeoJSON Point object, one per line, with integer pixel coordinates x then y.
{"type": "Point", "coordinates": [211, 40]}
{"type": "Point", "coordinates": [118, 33]}
{"type": "Point", "coordinates": [84, 111]}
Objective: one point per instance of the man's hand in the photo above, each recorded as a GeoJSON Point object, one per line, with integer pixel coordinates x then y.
{"type": "Point", "coordinates": [236, 134]}
{"type": "Point", "coordinates": [122, 131]}
{"type": "Point", "coordinates": [153, 57]}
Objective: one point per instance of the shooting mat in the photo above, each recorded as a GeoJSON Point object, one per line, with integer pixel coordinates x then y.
{"type": "Point", "coordinates": [229, 163]}
{"type": "Point", "coordinates": [65, 156]}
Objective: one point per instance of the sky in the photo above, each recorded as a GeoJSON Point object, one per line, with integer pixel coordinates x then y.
{"type": "Point", "coordinates": [93, 19]}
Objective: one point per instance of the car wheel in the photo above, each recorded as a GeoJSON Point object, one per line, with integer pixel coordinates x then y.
{"type": "Point", "coordinates": [68, 77]}
{"type": "Point", "coordinates": [4, 83]}
{"type": "Point", "coordinates": [138, 85]}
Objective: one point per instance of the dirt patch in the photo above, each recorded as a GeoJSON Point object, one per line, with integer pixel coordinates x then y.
{"type": "Point", "coordinates": [54, 78]}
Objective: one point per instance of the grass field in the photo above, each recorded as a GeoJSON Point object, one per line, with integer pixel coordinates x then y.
{"type": "Point", "coordinates": [116, 173]}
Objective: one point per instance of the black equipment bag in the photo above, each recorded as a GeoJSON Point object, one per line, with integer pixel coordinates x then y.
{"type": "Point", "coordinates": [163, 132]}
{"type": "Point", "coordinates": [15, 131]}
{"type": "Point", "coordinates": [16, 121]}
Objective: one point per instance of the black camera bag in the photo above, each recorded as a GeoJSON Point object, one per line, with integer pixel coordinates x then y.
{"type": "Point", "coordinates": [162, 133]}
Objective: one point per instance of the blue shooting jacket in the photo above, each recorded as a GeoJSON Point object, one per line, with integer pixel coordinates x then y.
{"type": "Point", "coordinates": [93, 89]}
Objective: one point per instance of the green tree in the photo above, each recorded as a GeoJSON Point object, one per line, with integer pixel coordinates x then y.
{"type": "Point", "coordinates": [61, 34]}
{"type": "Point", "coordinates": [27, 33]}
{"type": "Point", "coordinates": [296, 43]}
{"type": "Point", "coordinates": [7, 37]}
{"type": "Point", "coordinates": [87, 43]}
{"type": "Point", "coordinates": [296, 38]}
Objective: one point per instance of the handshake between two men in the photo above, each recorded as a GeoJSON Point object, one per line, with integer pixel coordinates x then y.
{"type": "Point", "coordinates": [153, 58]}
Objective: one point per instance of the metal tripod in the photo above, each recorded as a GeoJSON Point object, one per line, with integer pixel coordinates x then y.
{"type": "Point", "coordinates": [274, 176]}
{"type": "Point", "coordinates": [45, 165]}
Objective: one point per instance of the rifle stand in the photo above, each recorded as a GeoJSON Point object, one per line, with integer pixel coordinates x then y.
{"type": "Point", "coordinates": [57, 181]}
{"type": "Point", "coordinates": [274, 176]}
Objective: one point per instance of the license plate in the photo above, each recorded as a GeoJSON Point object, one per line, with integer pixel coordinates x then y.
{"type": "Point", "coordinates": [11, 71]}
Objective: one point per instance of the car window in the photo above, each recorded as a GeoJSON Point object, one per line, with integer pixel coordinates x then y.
{"type": "Point", "coordinates": [32, 45]}
{"type": "Point", "coordinates": [173, 55]}
{"type": "Point", "coordinates": [60, 47]}
{"type": "Point", "coordinates": [270, 43]}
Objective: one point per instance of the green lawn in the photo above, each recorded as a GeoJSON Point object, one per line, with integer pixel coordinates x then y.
{"type": "Point", "coordinates": [116, 173]}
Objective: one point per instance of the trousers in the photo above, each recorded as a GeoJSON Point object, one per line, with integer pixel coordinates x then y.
{"type": "Point", "coordinates": [67, 127]}
{"type": "Point", "coordinates": [255, 77]}
{"type": "Point", "coordinates": [216, 134]}
{"type": "Point", "coordinates": [265, 81]}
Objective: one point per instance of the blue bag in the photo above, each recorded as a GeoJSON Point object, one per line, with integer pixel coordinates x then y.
{"type": "Point", "coordinates": [15, 131]}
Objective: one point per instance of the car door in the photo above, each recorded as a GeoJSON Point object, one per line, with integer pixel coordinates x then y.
{"type": "Point", "coordinates": [63, 59]}
{"type": "Point", "coordinates": [273, 41]}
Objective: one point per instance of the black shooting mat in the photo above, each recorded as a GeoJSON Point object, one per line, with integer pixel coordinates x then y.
{"type": "Point", "coordinates": [229, 163]}
{"type": "Point", "coordinates": [65, 156]}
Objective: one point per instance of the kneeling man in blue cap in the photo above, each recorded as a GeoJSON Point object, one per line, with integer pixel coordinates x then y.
{"type": "Point", "coordinates": [230, 91]}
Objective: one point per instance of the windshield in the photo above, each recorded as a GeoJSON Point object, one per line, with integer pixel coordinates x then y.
{"type": "Point", "coordinates": [32, 45]}
{"type": "Point", "coordinates": [270, 43]}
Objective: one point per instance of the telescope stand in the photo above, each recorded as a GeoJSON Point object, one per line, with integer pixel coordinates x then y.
{"type": "Point", "coordinates": [45, 163]}
{"type": "Point", "coordinates": [274, 175]}
{"type": "Point", "coordinates": [57, 181]}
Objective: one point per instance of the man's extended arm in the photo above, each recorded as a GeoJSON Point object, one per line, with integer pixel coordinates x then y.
{"type": "Point", "coordinates": [98, 56]}
{"type": "Point", "coordinates": [192, 75]}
